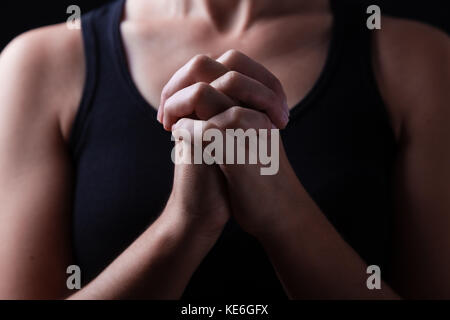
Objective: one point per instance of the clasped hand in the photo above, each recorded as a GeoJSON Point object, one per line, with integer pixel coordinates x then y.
{"type": "Point", "coordinates": [231, 92]}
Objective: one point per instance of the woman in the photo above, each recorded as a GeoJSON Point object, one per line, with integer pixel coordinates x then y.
{"type": "Point", "coordinates": [87, 177]}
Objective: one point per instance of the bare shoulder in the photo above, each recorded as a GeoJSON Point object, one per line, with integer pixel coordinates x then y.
{"type": "Point", "coordinates": [412, 64]}
{"type": "Point", "coordinates": [42, 74]}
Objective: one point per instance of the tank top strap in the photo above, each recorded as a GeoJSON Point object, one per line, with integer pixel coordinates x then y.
{"type": "Point", "coordinates": [98, 29]}
{"type": "Point", "coordinates": [357, 44]}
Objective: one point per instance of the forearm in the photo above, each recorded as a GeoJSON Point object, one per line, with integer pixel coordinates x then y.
{"type": "Point", "coordinates": [158, 265]}
{"type": "Point", "coordinates": [313, 261]}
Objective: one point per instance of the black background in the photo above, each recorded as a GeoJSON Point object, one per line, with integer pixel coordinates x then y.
{"type": "Point", "coordinates": [18, 16]}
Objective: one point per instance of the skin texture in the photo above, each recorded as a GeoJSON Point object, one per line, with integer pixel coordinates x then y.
{"type": "Point", "coordinates": [411, 62]}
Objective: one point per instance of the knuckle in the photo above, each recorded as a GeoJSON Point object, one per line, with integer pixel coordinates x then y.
{"type": "Point", "coordinates": [236, 115]}
{"type": "Point", "coordinates": [231, 55]}
{"type": "Point", "coordinates": [199, 91]}
{"type": "Point", "coordinates": [232, 77]}
{"type": "Point", "coordinates": [198, 62]}
{"type": "Point", "coordinates": [212, 125]}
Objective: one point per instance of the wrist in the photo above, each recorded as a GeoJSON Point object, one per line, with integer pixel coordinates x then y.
{"type": "Point", "coordinates": [192, 221]}
{"type": "Point", "coordinates": [292, 216]}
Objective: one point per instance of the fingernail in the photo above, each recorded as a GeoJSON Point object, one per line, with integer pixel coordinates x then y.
{"type": "Point", "coordinates": [158, 115]}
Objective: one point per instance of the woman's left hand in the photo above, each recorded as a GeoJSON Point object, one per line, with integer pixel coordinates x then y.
{"type": "Point", "coordinates": [263, 205]}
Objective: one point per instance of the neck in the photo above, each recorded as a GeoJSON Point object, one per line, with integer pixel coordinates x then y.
{"type": "Point", "coordinates": [240, 14]}
{"type": "Point", "coordinates": [226, 15]}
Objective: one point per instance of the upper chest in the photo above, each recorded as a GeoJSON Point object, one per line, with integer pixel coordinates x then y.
{"type": "Point", "coordinates": [295, 51]}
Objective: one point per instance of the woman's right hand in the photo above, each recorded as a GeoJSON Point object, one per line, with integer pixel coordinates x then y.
{"type": "Point", "coordinates": [199, 198]}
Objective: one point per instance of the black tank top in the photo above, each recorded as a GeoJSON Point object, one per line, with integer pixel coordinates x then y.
{"type": "Point", "coordinates": [339, 142]}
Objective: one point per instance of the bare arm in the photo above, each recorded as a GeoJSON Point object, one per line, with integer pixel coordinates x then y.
{"type": "Point", "coordinates": [35, 179]}
{"type": "Point", "coordinates": [312, 260]}
{"type": "Point", "coordinates": [158, 265]}
{"type": "Point", "coordinates": [35, 191]}
{"type": "Point", "coordinates": [414, 72]}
